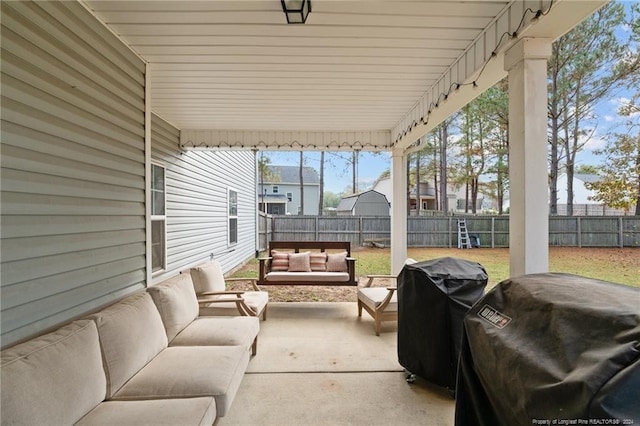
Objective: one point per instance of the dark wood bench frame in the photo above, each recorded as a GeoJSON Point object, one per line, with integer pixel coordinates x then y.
{"type": "Point", "coordinates": [297, 246]}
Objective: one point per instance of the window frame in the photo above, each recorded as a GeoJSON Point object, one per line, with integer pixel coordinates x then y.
{"type": "Point", "coordinates": [158, 218]}
{"type": "Point", "coordinates": [231, 217]}
{"type": "Point", "coordinates": [275, 189]}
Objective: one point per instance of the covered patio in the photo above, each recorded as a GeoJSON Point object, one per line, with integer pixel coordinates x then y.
{"type": "Point", "coordinates": [100, 97]}
{"type": "Point", "coordinates": [361, 75]}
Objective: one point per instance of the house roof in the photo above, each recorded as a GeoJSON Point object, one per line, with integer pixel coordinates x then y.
{"type": "Point", "coordinates": [589, 178]}
{"type": "Point", "coordinates": [347, 203]}
{"type": "Point", "coordinates": [291, 175]}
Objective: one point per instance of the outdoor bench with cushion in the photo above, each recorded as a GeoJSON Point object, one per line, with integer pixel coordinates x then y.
{"type": "Point", "coordinates": [145, 360]}
{"type": "Point", "coordinates": [308, 263]}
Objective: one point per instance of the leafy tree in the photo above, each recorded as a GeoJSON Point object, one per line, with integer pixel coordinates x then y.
{"type": "Point", "coordinates": [331, 199]}
{"type": "Point", "coordinates": [585, 66]}
{"type": "Point", "coordinates": [587, 169]}
{"type": "Point", "coordinates": [619, 186]}
{"type": "Point", "coordinates": [265, 173]}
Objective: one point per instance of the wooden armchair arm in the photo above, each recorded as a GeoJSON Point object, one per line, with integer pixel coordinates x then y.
{"type": "Point", "coordinates": [381, 307]}
{"type": "Point", "coordinates": [221, 293]}
{"type": "Point", "coordinates": [243, 309]}
{"type": "Point", "coordinates": [374, 277]}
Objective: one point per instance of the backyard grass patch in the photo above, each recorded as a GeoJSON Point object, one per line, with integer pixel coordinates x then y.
{"type": "Point", "coordinates": [619, 265]}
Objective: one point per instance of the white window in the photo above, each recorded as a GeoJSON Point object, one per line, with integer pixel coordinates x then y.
{"type": "Point", "coordinates": [275, 189]}
{"type": "Point", "coordinates": [158, 219]}
{"type": "Point", "coordinates": [289, 196]}
{"type": "Point", "coordinates": [232, 202]}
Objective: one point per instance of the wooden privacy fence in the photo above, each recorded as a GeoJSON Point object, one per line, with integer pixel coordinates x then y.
{"type": "Point", "coordinates": [492, 231]}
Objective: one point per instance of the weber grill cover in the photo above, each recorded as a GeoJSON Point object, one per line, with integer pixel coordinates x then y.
{"type": "Point", "coordinates": [553, 348]}
{"type": "Point", "coordinates": [433, 297]}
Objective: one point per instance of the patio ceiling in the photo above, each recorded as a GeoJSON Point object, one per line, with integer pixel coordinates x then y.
{"type": "Point", "coordinates": [369, 71]}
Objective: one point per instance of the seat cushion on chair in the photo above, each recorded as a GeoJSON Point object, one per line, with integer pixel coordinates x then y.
{"type": "Point", "coordinates": [177, 303]}
{"type": "Point", "coordinates": [208, 277]}
{"type": "Point", "coordinates": [169, 412]}
{"type": "Point", "coordinates": [256, 300]}
{"type": "Point", "coordinates": [374, 296]}
{"type": "Point", "coordinates": [219, 331]}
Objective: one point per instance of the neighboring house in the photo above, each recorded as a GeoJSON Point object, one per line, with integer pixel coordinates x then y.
{"type": "Point", "coordinates": [97, 200]}
{"type": "Point", "coordinates": [427, 196]}
{"type": "Point", "coordinates": [280, 192]}
{"type": "Point", "coordinates": [582, 204]}
{"type": "Point", "coordinates": [369, 203]}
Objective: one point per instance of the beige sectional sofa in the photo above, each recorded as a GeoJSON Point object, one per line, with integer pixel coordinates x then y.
{"type": "Point", "coordinates": [147, 359]}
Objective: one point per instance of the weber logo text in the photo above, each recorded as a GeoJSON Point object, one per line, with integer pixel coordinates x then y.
{"type": "Point", "coordinates": [494, 317]}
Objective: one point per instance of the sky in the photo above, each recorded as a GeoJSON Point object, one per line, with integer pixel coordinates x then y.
{"type": "Point", "coordinates": [338, 170]}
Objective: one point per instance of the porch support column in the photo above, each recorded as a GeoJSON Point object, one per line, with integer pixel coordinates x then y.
{"type": "Point", "coordinates": [398, 210]}
{"type": "Point", "coordinates": [526, 63]}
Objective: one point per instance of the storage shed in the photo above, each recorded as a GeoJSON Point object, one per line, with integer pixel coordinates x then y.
{"type": "Point", "coordinates": [369, 203]}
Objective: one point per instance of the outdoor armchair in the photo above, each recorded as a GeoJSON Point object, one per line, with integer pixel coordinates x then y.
{"type": "Point", "coordinates": [215, 299]}
{"type": "Point", "coordinates": [380, 302]}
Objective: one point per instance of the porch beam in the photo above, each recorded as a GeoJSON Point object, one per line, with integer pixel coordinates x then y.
{"type": "Point", "coordinates": [398, 210]}
{"type": "Point", "coordinates": [199, 139]}
{"type": "Point", "coordinates": [526, 63]}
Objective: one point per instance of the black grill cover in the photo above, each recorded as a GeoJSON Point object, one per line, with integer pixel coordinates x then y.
{"type": "Point", "coordinates": [433, 297]}
{"type": "Point", "coordinates": [551, 347]}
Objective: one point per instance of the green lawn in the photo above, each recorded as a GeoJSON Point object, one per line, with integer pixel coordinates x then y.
{"type": "Point", "coordinates": [608, 264]}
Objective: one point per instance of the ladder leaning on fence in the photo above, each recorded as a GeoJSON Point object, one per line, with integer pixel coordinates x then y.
{"type": "Point", "coordinates": [463, 235]}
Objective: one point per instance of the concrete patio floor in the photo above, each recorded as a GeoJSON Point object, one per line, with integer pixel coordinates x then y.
{"type": "Point", "coordinates": [319, 364]}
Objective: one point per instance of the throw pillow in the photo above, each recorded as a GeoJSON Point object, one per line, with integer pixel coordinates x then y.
{"type": "Point", "coordinates": [299, 262]}
{"type": "Point", "coordinates": [318, 261]}
{"type": "Point", "coordinates": [279, 261]}
{"type": "Point", "coordinates": [337, 262]}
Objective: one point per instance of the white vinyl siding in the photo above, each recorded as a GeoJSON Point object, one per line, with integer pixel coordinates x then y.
{"type": "Point", "coordinates": [72, 167]}
{"type": "Point", "coordinates": [197, 207]}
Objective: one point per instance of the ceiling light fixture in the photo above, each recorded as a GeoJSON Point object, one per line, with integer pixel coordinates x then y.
{"type": "Point", "coordinates": [296, 11]}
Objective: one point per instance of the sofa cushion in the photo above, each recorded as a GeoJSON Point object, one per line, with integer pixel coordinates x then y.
{"type": "Point", "coordinates": [309, 277]}
{"type": "Point", "coordinates": [318, 261]}
{"type": "Point", "coordinates": [208, 277]}
{"type": "Point", "coordinates": [177, 303]}
{"type": "Point", "coordinates": [299, 262]}
{"type": "Point", "coordinates": [169, 412]}
{"type": "Point", "coordinates": [53, 379]}
{"type": "Point", "coordinates": [337, 262]}
{"type": "Point", "coordinates": [279, 261]}
{"type": "Point", "coordinates": [219, 331]}
{"type": "Point", "coordinates": [131, 334]}
{"type": "Point", "coordinates": [189, 372]}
